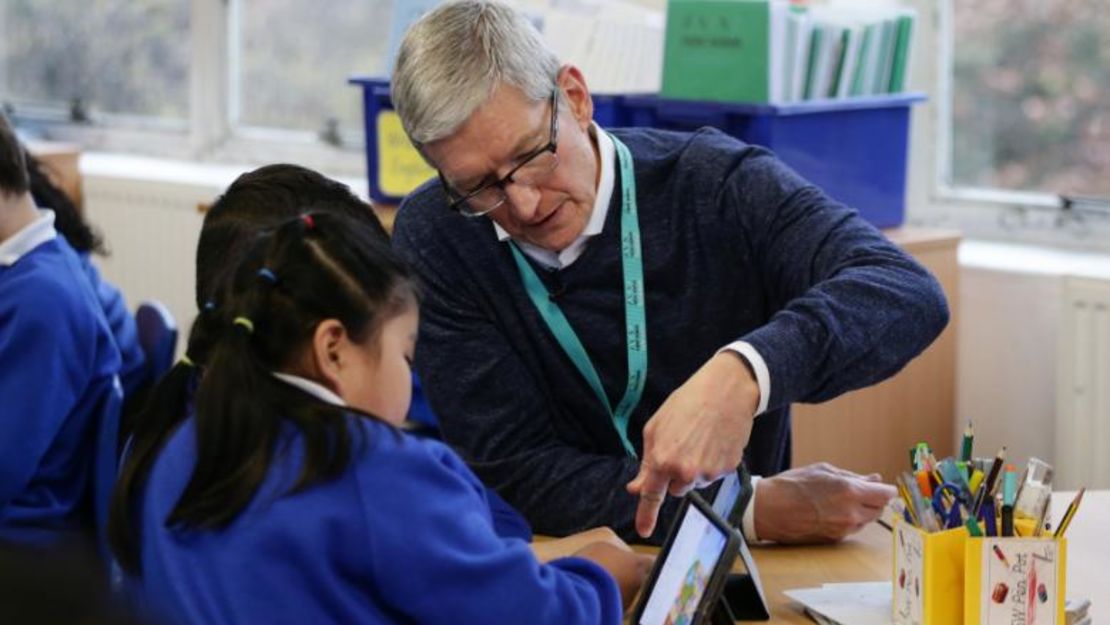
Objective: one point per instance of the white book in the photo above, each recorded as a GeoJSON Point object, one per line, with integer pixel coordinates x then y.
{"type": "Point", "coordinates": [849, 61]}
{"type": "Point", "coordinates": [800, 25]}
{"type": "Point", "coordinates": [828, 48]}
{"type": "Point", "coordinates": [869, 59]}
{"type": "Point", "coordinates": [776, 83]}
{"type": "Point", "coordinates": [888, 38]}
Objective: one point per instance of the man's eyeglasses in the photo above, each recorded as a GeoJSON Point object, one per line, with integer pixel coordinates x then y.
{"type": "Point", "coordinates": [532, 169]}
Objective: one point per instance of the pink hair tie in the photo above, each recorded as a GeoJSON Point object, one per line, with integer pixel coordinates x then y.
{"type": "Point", "coordinates": [308, 221]}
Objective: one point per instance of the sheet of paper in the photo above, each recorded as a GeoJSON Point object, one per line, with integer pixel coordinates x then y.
{"type": "Point", "coordinates": [866, 603]}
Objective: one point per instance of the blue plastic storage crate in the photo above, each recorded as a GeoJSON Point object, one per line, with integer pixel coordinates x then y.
{"type": "Point", "coordinates": [854, 149]}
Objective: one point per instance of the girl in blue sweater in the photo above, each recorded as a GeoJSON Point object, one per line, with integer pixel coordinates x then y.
{"type": "Point", "coordinates": [291, 496]}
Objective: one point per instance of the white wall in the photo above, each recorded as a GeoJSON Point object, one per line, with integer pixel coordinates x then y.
{"type": "Point", "coordinates": [1006, 360]}
{"type": "Point", "coordinates": [1009, 343]}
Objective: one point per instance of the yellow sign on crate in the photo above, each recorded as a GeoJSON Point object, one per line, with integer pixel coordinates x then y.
{"type": "Point", "coordinates": [928, 576]}
{"type": "Point", "coordinates": [400, 167]}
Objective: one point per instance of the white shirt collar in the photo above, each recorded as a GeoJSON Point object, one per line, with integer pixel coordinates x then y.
{"type": "Point", "coordinates": [596, 223]}
{"type": "Point", "coordinates": [28, 238]}
{"type": "Point", "coordinates": [312, 388]}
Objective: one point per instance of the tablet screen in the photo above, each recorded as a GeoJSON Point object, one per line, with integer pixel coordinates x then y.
{"type": "Point", "coordinates": [686, 573]}
{"type": "Point", "coordinates": [727, 495]}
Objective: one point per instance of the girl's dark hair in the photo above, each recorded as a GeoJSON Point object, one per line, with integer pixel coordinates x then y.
{"type": "Point", "coordinates": [13, 162]}
{"type": "Point", "coordinates": [258, 201]}
{"type": "Point", "coordinates": [233, 244]}
{"type": "Point", "coordinates": [67, 217]}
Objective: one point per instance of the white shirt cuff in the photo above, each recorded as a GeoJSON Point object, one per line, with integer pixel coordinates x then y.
{"type": "Point", "coordinates": [747, 522]}
{"type": "Point", "coordinates": [759, 367]}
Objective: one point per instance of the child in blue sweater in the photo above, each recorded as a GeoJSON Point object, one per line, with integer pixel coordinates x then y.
{"type": "Point", "coordinates": [58, 365]}
{"type": "Point", "coordinates": [292, 496]}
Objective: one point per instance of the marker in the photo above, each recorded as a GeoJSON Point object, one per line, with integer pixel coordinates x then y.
{"type": "Point", "coordinates": [975, 481]}
{"type": "Point", "coordinates": [924, 483]}
{"type": "Point", "coordinates": [1009, 493]}
{"type": "Point", "coordinates": [1009, 486]}
{"type": "Point", "coordinates": [969, 438]}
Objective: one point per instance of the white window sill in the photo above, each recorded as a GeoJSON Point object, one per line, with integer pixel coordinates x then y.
{"type": "Point", "coordinates": [1033, 259]}
{"type": "Point", "coordinates": [110, 165]}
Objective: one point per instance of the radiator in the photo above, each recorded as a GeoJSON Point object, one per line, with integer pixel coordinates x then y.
{"type": "Point", "coordinates": [1083, 386]}
{"type": "Point", "coordinates": [151, 229]}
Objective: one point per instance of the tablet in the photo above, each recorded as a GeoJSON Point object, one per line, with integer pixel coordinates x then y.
{"type": "Point", "coordinates": [685, 583]}
{"type": "Point", "coordinates": [732, 496]}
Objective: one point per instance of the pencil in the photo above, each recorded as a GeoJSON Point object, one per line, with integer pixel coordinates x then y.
{"type": "Point", "coordinates": [969, 438]}
{"type": "Point", "coordinates": [1072, 508]}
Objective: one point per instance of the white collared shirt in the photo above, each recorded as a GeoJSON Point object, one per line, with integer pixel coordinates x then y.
{"type": "Point", "coordinates": [596, 223]}
{"type": "Point", "coordinates": [312, 388]}
{"type": "Point", "coordinates": [28, 238]}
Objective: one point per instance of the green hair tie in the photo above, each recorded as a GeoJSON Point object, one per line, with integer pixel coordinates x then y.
{"type": "Point", "coordinates": [244, 322]}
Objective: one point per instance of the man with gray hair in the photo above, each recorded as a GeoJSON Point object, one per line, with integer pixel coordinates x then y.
{"type": "Point", "coordinates": [612, 316]}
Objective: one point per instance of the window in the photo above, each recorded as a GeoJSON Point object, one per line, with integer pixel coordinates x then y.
{"type": "Point", "coordinates": [70, 58]}
{"type": "Point", "coordinates": [232, 80]}
{"type": "Point", "coordinates": [296, 57]}
{"type": "Point", "coordinates": [1030, 101]}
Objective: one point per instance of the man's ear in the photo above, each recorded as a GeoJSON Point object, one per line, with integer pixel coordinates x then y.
{"type": "Point", "coordinates": [573, 85]}
{"type": "Point", "coordinates": [327, 350]}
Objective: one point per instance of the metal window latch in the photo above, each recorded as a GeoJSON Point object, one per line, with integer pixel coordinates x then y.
{"type": "Point", "coordinates": [1085, 204]}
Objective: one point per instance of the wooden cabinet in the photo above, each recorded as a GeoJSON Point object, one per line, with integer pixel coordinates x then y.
{"type": "Point", "coordinates": [871, 430]}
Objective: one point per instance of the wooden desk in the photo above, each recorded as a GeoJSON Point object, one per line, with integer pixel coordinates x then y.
{"type": "Point", "coordinates": [867, 557]}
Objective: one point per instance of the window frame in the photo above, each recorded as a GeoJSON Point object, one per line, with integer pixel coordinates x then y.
{"type": "Point", "coordinates": [210, 131]}
{"type": "Point", "coordinates": [999, 214]}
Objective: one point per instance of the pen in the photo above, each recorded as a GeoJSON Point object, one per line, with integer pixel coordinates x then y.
{"type": "Point", "coordinates": [987, 488]}
{"type": "Point", "coordinates": [969, 437]}
{"type": "Point", "coordinates": [1039, 530]}
{"type": "Point", "coordinates": [1072, 507]}
{"type": "Point", "coordinates": [989, 520]}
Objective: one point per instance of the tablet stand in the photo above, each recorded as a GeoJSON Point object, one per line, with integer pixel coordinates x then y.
{"type": "Point", "coordinates": [742, 597]}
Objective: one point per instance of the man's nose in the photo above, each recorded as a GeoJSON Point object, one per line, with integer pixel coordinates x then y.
{"type": "Point", "coordinates": [525, 200]}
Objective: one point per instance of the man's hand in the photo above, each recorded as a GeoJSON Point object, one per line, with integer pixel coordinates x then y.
{"type": "Point", "coordinates": [698, 434]}
{"type": "Point", "coordinates": [818, 503]}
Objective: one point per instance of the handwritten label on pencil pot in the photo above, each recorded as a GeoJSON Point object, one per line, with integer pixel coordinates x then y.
{"type": "Point", "coordinates": [929, 571]}
{"type": "Point", "coordinates": [1014, 581]}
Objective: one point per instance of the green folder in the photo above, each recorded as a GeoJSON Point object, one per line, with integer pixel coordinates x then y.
{"type": "Point", "coordinates": [901, 53]}
{"type": "Point", "coordinates": [717, 50]}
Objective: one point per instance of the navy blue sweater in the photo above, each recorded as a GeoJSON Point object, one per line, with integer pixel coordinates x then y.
{"type": "Point", "coordinates": [735, 246]}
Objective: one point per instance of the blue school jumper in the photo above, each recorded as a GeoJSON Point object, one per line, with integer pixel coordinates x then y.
{"type": "Point", "coordinates": [57, 364]}
{"type": "Point", "coordinates": [403, 536]}
{"type": "Point", "coordinates": [132, 373]}
{"type": "Point", "coordinates": [506, 519]}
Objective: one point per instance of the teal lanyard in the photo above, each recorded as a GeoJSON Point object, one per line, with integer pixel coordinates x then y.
{"type": "Point", "coordinates": [634, 321]}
